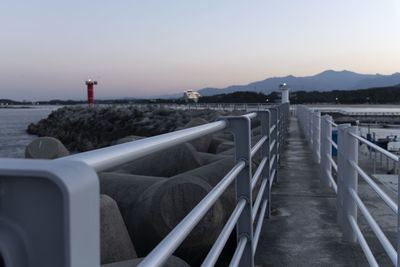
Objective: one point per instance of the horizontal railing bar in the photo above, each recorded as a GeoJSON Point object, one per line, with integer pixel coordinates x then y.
{"type": "Point", "coordinates": [333, 143]}
{"type": "Point", "coordinates": [271, 146]}
{"type": "Point", "coordinates": [108, 157]}
{"type": "Point", "coordinates": [271, 163]}
{"type": "Point", "coordinates": [258, 172]}
{"type": "Point", "coordinates": [250, 115]}
{"type": "Point", "coordinates": [332, 123]}
{"type": "Point", "coordinates": [272, 178]}
{"type": "Point", "coordinates": [169, 244]}
{"type": "Point", "coordinates": [376, 188]}
{"type": "Point", "coordinates": [363, 243]}
{"type": "Point", "coordinates": [258, 145]}
{"type": "Point", "coordinates": [334, 165]}
{"type": "Point", "coordinates": [237, 256]}
{"type": "Point", "coordinates": [334, 185]}
{"type": "Point", "coordinates": [223, 237]}
{"type": "Point", "coordinates": [375, 227]}
{"type": "Point", "coordinates": [272, 128]}
{"type": "Point", "coordinates": [258, 200]}
{"type": "Point", "coordinates": [259, 225]}
{"type": "Point", "coordinates": [378, 148]}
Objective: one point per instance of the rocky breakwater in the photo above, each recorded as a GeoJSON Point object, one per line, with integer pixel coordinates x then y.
{"type": "Point", "coordinates": [143, 200]}
{"type": "Point", "coordinates": [82, 128]}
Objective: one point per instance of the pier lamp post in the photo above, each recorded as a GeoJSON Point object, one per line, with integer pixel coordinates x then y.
{"type": "Point", "coordinates": [285, 92]}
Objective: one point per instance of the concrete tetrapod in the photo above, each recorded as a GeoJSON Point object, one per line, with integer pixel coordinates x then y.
{"type": "Point", "coordinates": [212, 174]}
{"type": "Point", "coordinates": [45, 148]}
{"type": "Point", "coordinates": [153, 206]}
{"type": "Point", "coordinates": [115, 244]}
{"type": "Point", "coordinates": [165, 163]}
{"type": "Point", "coordinates": [201, 144]}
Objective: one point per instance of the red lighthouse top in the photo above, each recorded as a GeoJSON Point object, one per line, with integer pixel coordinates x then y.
{"type": "Point", "coordinates": [90, 84]}
{"type": "Point", "coordinates": [89, 81]}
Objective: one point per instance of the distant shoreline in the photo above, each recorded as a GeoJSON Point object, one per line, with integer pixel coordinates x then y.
{"type": "Point", "coordinates": [16, 107]}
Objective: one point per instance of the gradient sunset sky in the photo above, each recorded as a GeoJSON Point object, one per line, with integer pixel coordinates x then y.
{"type": "Point", "coordinates": [141, 48]}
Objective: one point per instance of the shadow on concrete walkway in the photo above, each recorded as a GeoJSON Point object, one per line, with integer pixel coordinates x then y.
{"type": "Point", "coordinates": [304, 230]}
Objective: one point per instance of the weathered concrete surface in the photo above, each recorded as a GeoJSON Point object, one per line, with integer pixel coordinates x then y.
{"type": "Point", "coordinates": [115, 242]}
{"type": "Point", "coordinates": [45, 148]}
{"type": "Point", "coordinates": [304, 230]}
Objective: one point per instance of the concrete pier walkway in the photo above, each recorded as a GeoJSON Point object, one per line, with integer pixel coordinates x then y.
{"type": "Point", "coordinates": [303, 232]}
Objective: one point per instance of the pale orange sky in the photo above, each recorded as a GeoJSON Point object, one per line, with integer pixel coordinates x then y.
{"type": "Point", "coordinates": [135, 48]}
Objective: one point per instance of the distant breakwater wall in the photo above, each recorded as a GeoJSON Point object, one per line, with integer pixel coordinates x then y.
{"type": "Point", "coordinates": [86, 128]}
{"type": "Point", "coordinates": [367, 118]}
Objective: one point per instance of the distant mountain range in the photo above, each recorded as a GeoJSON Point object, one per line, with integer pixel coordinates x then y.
{"type": "Point", "coordinates": [325, 81]}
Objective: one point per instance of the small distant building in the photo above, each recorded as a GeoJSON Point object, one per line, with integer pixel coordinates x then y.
{"type": "Point", "coordinates": [190, 95]}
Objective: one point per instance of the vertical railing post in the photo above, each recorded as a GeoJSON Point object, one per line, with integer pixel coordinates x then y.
{"type": "Point", "coordinates": [349, 182]}
{"type": "Point", "coordinates": [316, 135]}
{"type": "Point", "coordinates": [265, 118]}
{"type": "Point", "coordinates": [311, 130]}
{"type": "Point", "coordinates": [325, 151]}
{"type": "Point", "coordinates": [398, 214]}
{"type": "Point", "coordinates": [279, 134]}
{"type": "Point", "coordinates": [341, 156]}
{"type": "Point", "coordinates": [240, 127]}
{"type": "Point", "coordinates": [274, 137]}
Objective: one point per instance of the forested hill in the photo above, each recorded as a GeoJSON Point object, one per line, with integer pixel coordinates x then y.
{"type": "Point", "coordinates": [379, 95]}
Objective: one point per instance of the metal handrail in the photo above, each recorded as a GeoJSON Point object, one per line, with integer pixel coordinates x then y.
{"type": "Point", "coordinates": [334, 185]}
{"type": "Point", "coordinates": [363, 243]}
{"type": "Point", "coordinates": [238, 252]}
{"type": "Point", "coordinates": [171, 242]}
{"type": "Point", "coordinates": [273, 122]}
{"type": "Point", "coordinates": [348, 171]}
{"type": "Point", "coordinates": [168, 245]}
{"type": "Point", "coordinates": [219, 244]}
{"type": "Point", "coordinates": [258, 172]}
{"type": "Point", "coordinates": [375, 227]}
{"type": "Point", "coordinates": [376, 147]}
{"type": "Point", "coordinates": [334, 165]}
{"type": "Point", "coordinates": [258, 145]}
{"type": "Point", "coordinates": [376, 188]}
{"type": "Point", "coordinates": [258, 199]}
{"type": "Point", "coordinates": [333, 143]}
{"type": "Point", "coordinates": [257, 233]}
{"type": "Point", "coordinates": [109, 157]}
{"type": "Point", "coordinates": [332, 123]}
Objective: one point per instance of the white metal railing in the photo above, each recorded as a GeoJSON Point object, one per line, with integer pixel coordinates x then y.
{"type": "Point", "coordinates": [79, 221]}
{"type": "Point", "coordinates": [201, 106]}
{"type": "Point", "coordinates": [347, 172]}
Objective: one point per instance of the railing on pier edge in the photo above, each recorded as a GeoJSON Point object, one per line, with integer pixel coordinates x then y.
{"type": "Point", "coordinates": [49, 209]}
{"type": "Point", "coordinates": [318, 132]}
{"type": "Point", "coordinates": [197, 106]}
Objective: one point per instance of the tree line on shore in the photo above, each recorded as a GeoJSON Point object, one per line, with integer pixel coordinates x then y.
{"type": "Point", "coordinates": [379, 95]}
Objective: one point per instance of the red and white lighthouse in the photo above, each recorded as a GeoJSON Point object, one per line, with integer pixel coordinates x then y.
{"type": "Point", "coordinates": [90, 90]}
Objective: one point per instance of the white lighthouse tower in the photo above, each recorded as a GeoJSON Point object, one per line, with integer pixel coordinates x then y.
{"type": "Point", "coordinates": [285, 92]}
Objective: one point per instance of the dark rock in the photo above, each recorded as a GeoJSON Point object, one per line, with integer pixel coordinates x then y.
{"type": "Point", "coordinates": [83, 128]}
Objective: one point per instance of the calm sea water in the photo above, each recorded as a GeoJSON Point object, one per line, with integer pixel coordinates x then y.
{"type": "Point", "coordinates": [13, 124]}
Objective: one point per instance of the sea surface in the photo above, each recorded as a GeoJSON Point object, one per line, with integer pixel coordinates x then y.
{"type": "Point", "coordinates": [13, 124]}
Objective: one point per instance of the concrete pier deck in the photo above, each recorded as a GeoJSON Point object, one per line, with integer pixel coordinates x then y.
{"type": "Point", "coordinates": [304, 232]}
